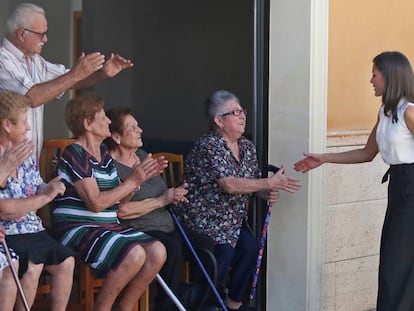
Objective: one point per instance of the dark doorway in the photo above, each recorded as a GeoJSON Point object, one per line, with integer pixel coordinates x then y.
{"type": "Point", "coordinates": [183, 50]}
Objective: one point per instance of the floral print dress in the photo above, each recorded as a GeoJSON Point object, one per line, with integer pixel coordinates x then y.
{"type": "Point", "coordinates": [210, 210]}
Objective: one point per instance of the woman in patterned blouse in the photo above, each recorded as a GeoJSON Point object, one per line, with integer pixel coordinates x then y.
{"type": "Point", "coordinates": [10, 158]}
{"type": "Point", "coordinates": [222, 172]}
{"type": "Point", "coordinates": [21, 195]}
{"type": "Point", "coordinates": [85, 217]}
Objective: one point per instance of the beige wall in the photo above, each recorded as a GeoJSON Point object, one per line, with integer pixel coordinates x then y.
{"type": "Point", "coordinates": [359, 30]}
{"type": "Point", "coordinates": [355, 203]}
{"type": "Point", "coordinates": [355, 199]}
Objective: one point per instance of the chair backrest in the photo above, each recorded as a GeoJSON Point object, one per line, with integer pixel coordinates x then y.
{"type": "Point", "coordinates": [173, 174]}
{"type": "Point", "coordinates": [52, 150]}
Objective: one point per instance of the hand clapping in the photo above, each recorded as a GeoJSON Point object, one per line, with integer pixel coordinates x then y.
{"type": "Point", "coordinates": [147, 169]}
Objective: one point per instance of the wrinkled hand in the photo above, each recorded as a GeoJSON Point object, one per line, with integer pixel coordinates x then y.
{"type": "Point", "coordinates": [87, 65]}
{"type": "Point", "coordinates": [12, 156]}
{"type": "Point", "coordinates": [272, 196]}
{"type": "Point", "coordinates": [282, 182]}
{"type": "Point", "coordinates": [54, 188]}
{"type": "Point", "coordinates": [147, 169]}
{"type": "Point", "coordinates": [311, 161]}
{"type": "Point", "coordinates": [177, 195]}
{"type": "Point", "coordinates": [115, 64]}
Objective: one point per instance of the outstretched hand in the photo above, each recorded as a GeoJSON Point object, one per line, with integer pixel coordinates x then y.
{"type": "Point", "coordinates": [283, 182]}
{"type": "Point", "coordinates": [115, 64]}
{"type": "Point", "coordinates": [311, 161]}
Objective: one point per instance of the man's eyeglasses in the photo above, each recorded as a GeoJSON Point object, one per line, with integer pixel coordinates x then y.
{"type": "Point", "coordinates": [40, 34]}
{"type": "Point", "coordinates": [235, 112]}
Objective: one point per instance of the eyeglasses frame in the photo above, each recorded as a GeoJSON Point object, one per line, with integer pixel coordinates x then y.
{"type": "Point", "coordinates": [235, 112]}
{"type": "Point", "coordinates": [40, 34]}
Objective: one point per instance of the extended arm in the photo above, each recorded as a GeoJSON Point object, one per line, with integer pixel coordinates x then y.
{"type": "Point", "coordinates": [88, 70]}
{"type": "Point", "coordinates": [245, 185]}
{"type": "Point", "coordinates": [366, 154]}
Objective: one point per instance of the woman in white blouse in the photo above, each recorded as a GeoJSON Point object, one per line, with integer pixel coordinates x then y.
{"type": "Point", "coordinates": [393, 137]}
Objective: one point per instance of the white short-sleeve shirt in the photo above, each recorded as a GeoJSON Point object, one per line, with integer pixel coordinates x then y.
{"type": "Point", "coordinates": [395, 141]}
{"type": "Point", "coordinates": [19, 73]}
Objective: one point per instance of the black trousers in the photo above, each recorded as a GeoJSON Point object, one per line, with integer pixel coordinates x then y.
{"type": "Point", "coordinates": [396, 269]}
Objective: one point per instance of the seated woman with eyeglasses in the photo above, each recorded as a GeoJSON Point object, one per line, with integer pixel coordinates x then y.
{"type": "Point", "coordinates": [222, 172]}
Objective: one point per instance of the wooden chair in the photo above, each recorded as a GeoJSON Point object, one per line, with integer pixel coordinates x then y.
{"type": "Point", "coordinates": [173, 174]}
{"type": "Point", "coordinates": [51, 151]}
{"type": "Point", "coordinates": [88, 286]}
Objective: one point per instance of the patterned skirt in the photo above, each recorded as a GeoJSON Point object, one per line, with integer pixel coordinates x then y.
{"type": "Point", "coordinates": [102, 246]}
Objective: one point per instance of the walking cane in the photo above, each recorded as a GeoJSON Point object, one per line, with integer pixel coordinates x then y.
{"type": "Point", "coordinates": [261, 250]}
{"type": "Point", "coordinates": [170, 293]}
{"type": "Point", "coordinates": [15, 276]}
{"type": "Point", "coordinates": [272, 169]}
{"type": "Point", "coordinates": [197, 258]}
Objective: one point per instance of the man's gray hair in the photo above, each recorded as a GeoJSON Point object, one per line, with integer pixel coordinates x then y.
{"type": "Point", "coordinates": [21, 17]}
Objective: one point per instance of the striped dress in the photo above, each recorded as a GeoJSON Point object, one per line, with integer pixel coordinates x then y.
{"type": "Point", "coordinates": [98, 237]}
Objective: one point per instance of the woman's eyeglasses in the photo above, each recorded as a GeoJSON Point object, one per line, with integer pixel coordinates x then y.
{"type": "Point", "coordinates": [235, 112]}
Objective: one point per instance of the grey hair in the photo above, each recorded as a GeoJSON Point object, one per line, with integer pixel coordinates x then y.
{"type": "Point", "coordinates": [214, 105]}
{"type": "Point", "coordinates": [21, 17]}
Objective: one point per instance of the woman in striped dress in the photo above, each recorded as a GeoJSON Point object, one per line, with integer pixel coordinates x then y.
{"type": "Point", "coordinates": [85, 217]}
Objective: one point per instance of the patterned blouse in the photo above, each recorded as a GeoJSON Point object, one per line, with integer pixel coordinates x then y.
{"type": "Point", "coordinates": [212, 211]}
{"type": "Point", "coordinates": [28, 183]}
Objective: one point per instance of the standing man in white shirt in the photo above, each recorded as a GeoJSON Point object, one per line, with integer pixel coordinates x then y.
{"type": "Point", "coordinates": [23, 70]}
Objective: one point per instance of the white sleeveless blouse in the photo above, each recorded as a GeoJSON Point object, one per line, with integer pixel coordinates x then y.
{"type": "Point", "coordinates": [395, 141]}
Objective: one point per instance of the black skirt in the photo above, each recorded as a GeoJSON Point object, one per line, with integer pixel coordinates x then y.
{"type": "Point", "coordinates": [396, 270]}
{"type": "Point", "coordinates": [39, 248]}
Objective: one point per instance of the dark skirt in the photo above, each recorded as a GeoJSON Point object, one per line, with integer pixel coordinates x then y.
{"type": "Point", "coordinates": [396, 270]}
{"type": "Point", "coordinates": [39, 248]}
